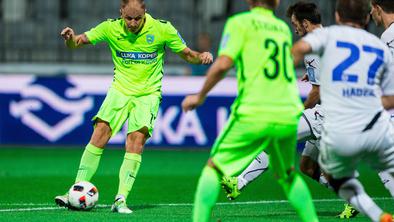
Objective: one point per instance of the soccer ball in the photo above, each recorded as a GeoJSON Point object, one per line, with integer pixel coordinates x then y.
{"type": "Point", "coordinates": [82, 196]}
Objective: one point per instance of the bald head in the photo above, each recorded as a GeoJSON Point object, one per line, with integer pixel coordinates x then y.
{"type": "Point", "coordinates": [270, 4]}
{"type": "Point", "coordinates": [133, 13]}
{"type": "Point", "coordinates": [134, 3]}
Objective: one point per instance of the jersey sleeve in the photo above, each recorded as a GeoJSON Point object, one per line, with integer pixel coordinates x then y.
{"type": "Point", "coordinates": [312, 68]}
{"type": "Point", "coordinates": [98, 33]}
{"type": "Point", "coordinates": [387, 81]}
{"type": "Point", "coordinates": [232, 39]}
{"type": "Point", "coordinates": [173, 39]}
{"type": "Point", "coordinates": [317, 40]}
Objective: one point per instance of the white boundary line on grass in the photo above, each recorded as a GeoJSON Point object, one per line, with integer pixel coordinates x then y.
{"type": "Point", "coordinates": [42, 208]}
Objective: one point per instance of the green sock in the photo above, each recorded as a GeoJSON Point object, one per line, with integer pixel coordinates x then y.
{"type": "Point", "coordinates": [206, 195]}
{"type": "Point", "coordinates": [89, 163]}
{"type": "Point", "coordinates": [128, 172]}
{"type": "Point", "coordinates": [300, 198]}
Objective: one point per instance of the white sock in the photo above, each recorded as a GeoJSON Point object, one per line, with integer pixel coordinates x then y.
{"type": "Point", "coordinates": [323, 181]}
{"type": "Point", "coordinates": [388, 181]}
{"type": "Point", "coordinates": [353, 192]}
{"type": "Point", "coordinates": [255, 169]}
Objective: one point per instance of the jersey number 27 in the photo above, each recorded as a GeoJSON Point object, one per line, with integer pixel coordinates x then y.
{"type": "Point", "coordinates": [339, 74]}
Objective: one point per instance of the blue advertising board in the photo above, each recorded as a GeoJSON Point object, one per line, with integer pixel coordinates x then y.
{"type": "Point", "coordinates": [57, 110]}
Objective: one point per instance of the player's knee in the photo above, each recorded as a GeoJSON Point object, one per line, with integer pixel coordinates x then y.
{"type": "Point", "coordinates": [349, 188]}
{"type": "Point", "coordinates": [102, 129]}
{"type": "Point", "coordinates": [343, 183]}
{"type": "Point", "coordinates": [135, 142]}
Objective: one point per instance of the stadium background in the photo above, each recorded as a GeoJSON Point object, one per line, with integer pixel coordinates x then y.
{"type": "Point", "coordinates": [49, 93]}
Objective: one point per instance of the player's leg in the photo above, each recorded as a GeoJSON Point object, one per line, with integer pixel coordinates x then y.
{"type": "Point", "coordinates": [340, 168]}
{"type": "Point", "coordinates": [235, 148]}
{"type": "Point", "coordinates": [351, 190]}
{"type": "Point", "coordinates": [234, 185]}
{"type": "Point", "coordinates": [107, 122]}
{"type": "Point", "coordinates": [388, 181]}
{"type": "Point", "coordinates": [142, 114]}
{"type": "Point", "coordinates": [129, 168]}
{"type": "Point", "coordinates": [91, 156]}
{"type": "Point", "coordinates": [282, 156]}
{"type": "Point", "coordinates": [309, 164]}
{"type": "Point", "coordinates": [207, 192]}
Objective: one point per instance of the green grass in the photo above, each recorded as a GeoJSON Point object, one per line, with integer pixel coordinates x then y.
{"type": "Point", "coordinates": [164, 189]}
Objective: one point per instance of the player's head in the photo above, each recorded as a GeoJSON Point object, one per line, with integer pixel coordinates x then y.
{"type": "Point", "coordinates": [304, 17]}
{"type": "Point", "coordinates": [353, 11]}
{"type": "Point", "coordinates": [381, 8]}
{"type": "Point", "coordinates": [270, 4]}
{"type": "Point", "coordinates": [133, 13]}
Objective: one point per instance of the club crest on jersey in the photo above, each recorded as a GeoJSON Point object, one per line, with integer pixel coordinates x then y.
{"type": "Point", "coordinates": [150, 38]}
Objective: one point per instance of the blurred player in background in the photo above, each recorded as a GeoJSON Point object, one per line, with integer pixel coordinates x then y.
{"type": "Point", "coordinates": [383, 14]}
{"type": "Point", "coordinates": [356, 127]}
{"type": "Point", "coordinates": [137, 43]}
{"type": "Point", "coordinates": [265, 113]}
{"type": "Point", "coordinates": [305, 17]}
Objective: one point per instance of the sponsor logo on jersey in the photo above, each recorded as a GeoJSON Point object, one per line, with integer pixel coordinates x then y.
{"type": "Point", "coordinates": [137, 55]}
{"type": "Point", "coordinates": [150, 38]}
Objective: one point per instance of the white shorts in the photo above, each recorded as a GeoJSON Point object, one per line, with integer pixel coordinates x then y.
{"type": "Point", "coordinates": [340, 153]}
{"type": "Point", "coordinates": [312, 149]}
{"type": "Point", "coordinates": [310, 125]}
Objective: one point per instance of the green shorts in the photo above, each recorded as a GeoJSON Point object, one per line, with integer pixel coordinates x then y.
{"type": "Point", "coordinates": [140, 111]}
{"type": "Point", "coordinates": [243, 138]}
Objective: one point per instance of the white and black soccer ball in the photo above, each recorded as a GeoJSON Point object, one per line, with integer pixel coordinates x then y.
{"type": "Point", "coordinates": [82, 196]}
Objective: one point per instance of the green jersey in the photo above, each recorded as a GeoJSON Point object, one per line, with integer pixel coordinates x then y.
{"type": "Point", "coordinates": [138, 58]}
{"type": "Point", "coordinates": [259, 44]}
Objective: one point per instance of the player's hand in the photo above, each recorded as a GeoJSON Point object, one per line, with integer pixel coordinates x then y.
{"type": "Point", "coordinates": [305, 78]}
{"type": "Point", "coordinates": [191, 102]}
{"type": "Point", "coordinates": [68, 33]}
{"type": "Point", "coordinates": [206, 58]}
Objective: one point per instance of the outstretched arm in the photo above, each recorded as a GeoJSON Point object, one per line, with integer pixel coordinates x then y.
{"type": "Point", "coordinates": [73, 41]}
{"type": "Point", "coordinates": [299, 50]}
{"type": "Point", "coordinates": [214, 75]}
{"type": "Point", "coordinates": [194, 57]}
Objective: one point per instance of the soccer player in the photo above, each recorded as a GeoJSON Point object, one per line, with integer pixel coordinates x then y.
{"type": "Point", "coordinates": [265, 113]}
{"type": "Point", "coordinates": [357, 66]}
{"type": "Point", "coordinates": [383, 14]}
{"type": "Point", "coordinates": [305, 17]}
{"type": "Point", "coordinates": [137, 43]}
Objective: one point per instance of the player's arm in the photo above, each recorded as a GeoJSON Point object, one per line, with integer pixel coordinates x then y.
{"type": "Point", "coordinates": [215, 73]}
{"type": "Point", "coordinates": [313, 97]}
{"type": "Point", "coordinates": [73, 41]}
{"type": "Point", "coordinates": [299, 50]}
{"type": "Point", "coordinates": [388, 102]}
{"type": "Point", "coordinates": [195, 57]}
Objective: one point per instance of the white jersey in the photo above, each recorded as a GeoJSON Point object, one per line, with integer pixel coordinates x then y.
{"type": "Point", "coordinates": [312, 64]}
{"type": "Point", "coordinates": [388, 37]}
{"type": "Point", "coordinates": [356, 67]}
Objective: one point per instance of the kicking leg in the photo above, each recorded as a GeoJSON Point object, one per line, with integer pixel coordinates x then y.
{"type": "Point", "coordinates": [90, 158]}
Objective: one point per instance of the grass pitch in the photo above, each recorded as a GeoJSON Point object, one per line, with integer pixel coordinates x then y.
{"type": "Point", "coordinates": [163, 191]}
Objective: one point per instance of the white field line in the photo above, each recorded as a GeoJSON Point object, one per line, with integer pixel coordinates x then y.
{"type": "Point", "coordinates": [46, 206]}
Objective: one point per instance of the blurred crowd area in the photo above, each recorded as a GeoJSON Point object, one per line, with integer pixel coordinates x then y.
{"type": "Point", "coordinates": [29, 29]}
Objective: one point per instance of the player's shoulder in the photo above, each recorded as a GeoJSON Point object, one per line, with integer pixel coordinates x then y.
{"type": "Point", "coordinates": [240, 17]}
{"type": "Point", "coordinates": [388, 34]}
{"type": "Point", "coordinates": [158, 22]}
